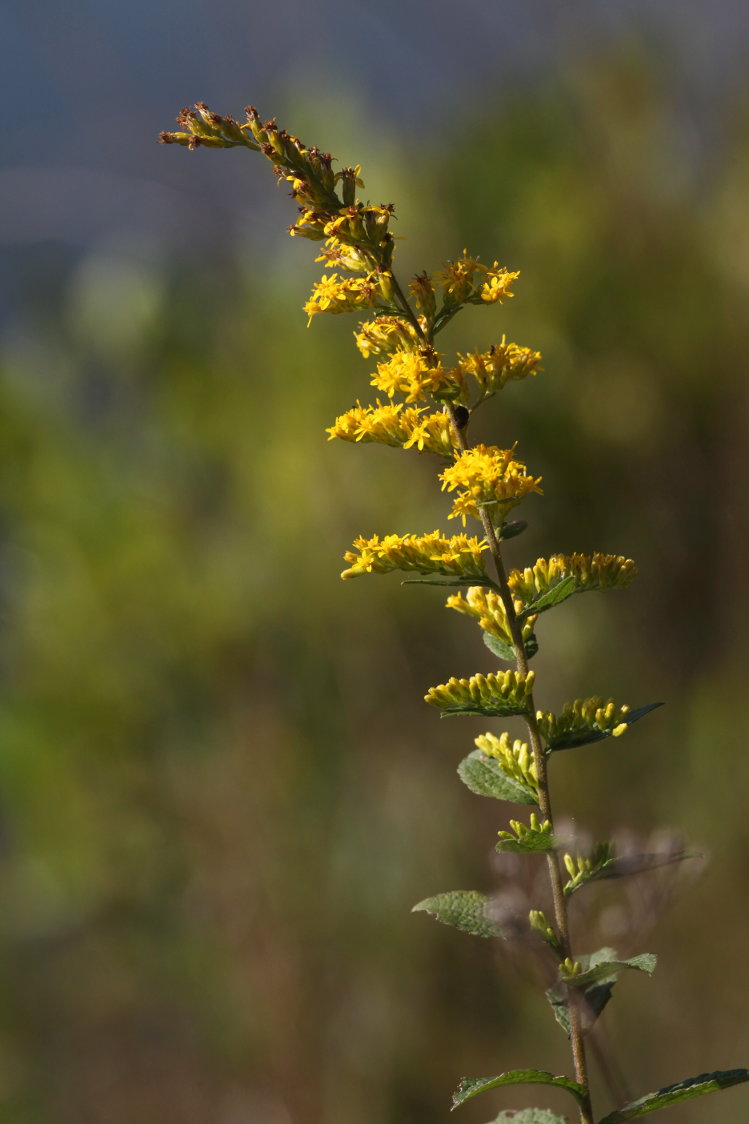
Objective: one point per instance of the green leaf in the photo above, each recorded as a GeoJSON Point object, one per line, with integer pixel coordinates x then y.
{"type": "Point", "coordinates": [596, 997]}
{"type": "Point", "coordinates": [529, 1116]}
{"type": "Point", "coordinates": [596, 982]}
{"type": "Point", "coordinates": [673, 1094]}
{"type": "Point", "coordinates": [505, 651]}
{"type": "Point", "coordinates": [497, 709]}
{"type": "Point", "coordinates": [472, 1086]}
{"type": "Point", "coordinates": [458, 579]}
{"type": "Point", "coordinates": [607, 970]}
{"type": "Point", "coordinates": [554, 596]}
{"type": "Point", "coordinates": [590, 734]}
{"type": "Point", "coordinates": [463, 909]}
{"type": "Point", "coordinates": [484, 776]}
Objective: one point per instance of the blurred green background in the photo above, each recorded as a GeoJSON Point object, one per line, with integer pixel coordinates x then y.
{"type": "Point", "coordinates": [220, 791]}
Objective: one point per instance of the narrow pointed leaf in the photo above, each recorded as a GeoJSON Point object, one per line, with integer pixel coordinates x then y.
{"type": "Point", "coordinates": [589, 734]}
{"type": "Point", "coordinates": [624, 866]}
{"type": "Point", "coordinates": [554, 596]}
{"type": "Point", "coordinates": [472, 1086]}
{"type": "Point", "coordinates": [498, 709]}
{"type": "Point", "coordinates": [673, 1094]}
{"type": "Point", "coordinates": [484, 776]}
{"type": "Point", "coordinates": [452, 581]}
{"type": "Point", "coordinates": [463, 909]}
{"type": "Point", "coordinates": [529, 1116]}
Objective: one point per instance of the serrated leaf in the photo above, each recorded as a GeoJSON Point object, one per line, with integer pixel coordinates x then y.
{"type": "Point", "coordinates": [529, 1116]}
{"type": "Point", "coordinates": [471, 1086]}
{"type": "Point", "coordinates": [457, 580]}
{"type": "Point", "coordinates": [586, 736]}
{"type": "Point", "coordinates": [595, 983]}
{"type": "Point", "coordinates": [463, 909]}
{"type": "Point", "coordinates": [681, 1091]}
{"type": "Point", "coordinates": [505, 651]}
{"type": "Point", "coordinates": [484, 776]}
{"type": "Point", "coordinates": [553, 596]}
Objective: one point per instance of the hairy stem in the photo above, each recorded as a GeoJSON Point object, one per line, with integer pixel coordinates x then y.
{"type": "Point", "coordinates": [544, 796]}
{"type": "Point", "coordinates": [539, 756]}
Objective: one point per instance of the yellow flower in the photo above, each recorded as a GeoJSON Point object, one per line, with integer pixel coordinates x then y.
{"type": "Point", "coordinates": [397, 425]}
{"type": "Point", "coordinates": [486, 476]}
{"type": "Point", "coordinates": [595, 715]}
{"type": "Point", "coordinates": [505, 693]}
{"type": "Point", "coordinates": [502, 362]}
{"type": "Point", "coordinates": [485, 606]}
{"type": "Point", "coordinates": [344, 256]}
{"type": "Point", "coordinates": [428, 554]}
{"type": "Point", "coordinates": [457, 278]}
{"type": "Point", "coordinates": [514, 758]}
{"type": "Point", "coordinates": [384, 335]}
{"type": "Point", "coordinates": [496, 287]}
{"type": "Point", "coordinates": [415, 375]}
{"type": "Point", "coordinates": [340, 294]}
{"type": "Point", "coordinates": [590, 571]}
{"type": "Point", "coordinates": [434, 433]}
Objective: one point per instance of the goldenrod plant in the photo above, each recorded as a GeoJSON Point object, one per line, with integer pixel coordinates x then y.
{"type": "Point", "coordinates": [426, 403]}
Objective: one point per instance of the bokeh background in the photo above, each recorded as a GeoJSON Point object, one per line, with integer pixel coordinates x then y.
{"type": "Point", "coordinates": [220, 791]}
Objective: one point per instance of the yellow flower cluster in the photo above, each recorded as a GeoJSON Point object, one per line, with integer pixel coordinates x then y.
{"type": "Point", "coordinates": [503, 362]}
{"type": "Point", "coordinates": [590, 571]}
{"type": "Point", "coordinates": [341, 294]}
{"type": "Point", "coordinates": [466, 280]}
{"type": "Point", "coordinates": [395, 424]}
{"type": "Point", "coordinates": [357, 251]}
{"type": "Point", "coordinates": [485, 606]}
{"type": "Point", "coordinates": [506, 692]}
{"type": "Point", "coordinates": [415, 375]}
{"type": "Point", "coordinates": [514, 759]}
{"type": "Point", "coordinates": [384, 335]}
{"type": "Point", "coordinates": [595, 714]}
{"type": "Point", "coordinates": [459, 556]}
{"type": "Point", "coordinates": [485, 476]}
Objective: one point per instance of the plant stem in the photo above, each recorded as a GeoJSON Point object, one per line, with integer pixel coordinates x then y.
{"type": "Point", "coordinates": [544, 797]}
{"type": "Point", "coordinates": [539, 756]}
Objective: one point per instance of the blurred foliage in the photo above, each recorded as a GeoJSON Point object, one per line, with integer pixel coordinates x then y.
{"type": "Point", "coordinates": [220, 792]}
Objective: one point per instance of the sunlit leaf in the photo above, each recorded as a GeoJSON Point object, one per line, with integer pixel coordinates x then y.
{"type": "Point", "coordinates": [472, 1086]}
{"type": "Point", "coordinates": [673, 1094]}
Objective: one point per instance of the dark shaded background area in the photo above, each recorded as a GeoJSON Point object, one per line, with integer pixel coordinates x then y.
{"type": "Point", "coordinates": [220, 792]}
